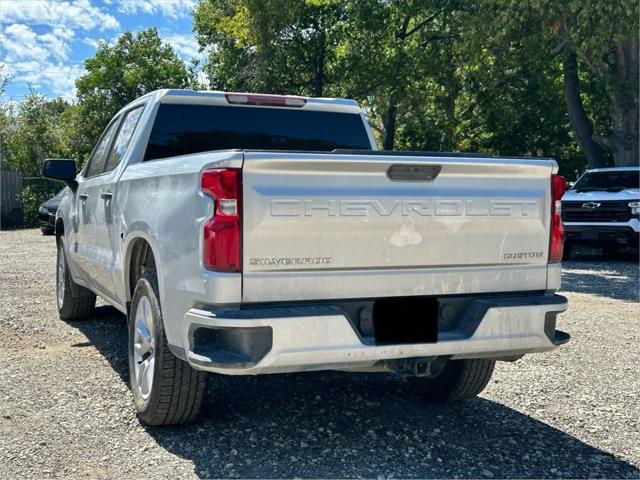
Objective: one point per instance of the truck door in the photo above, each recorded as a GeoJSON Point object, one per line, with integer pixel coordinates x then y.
{"type": "Point", "coordinates": [85, 251]}
{"type": "Point", "coordinates": [106, 231]}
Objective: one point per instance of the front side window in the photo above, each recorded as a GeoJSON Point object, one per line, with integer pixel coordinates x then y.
{"type": "Point", "coordinates": [99, 156]}
{"type": "Point", "coordinates": [187, 129]}
{"type": "Point", "coordinates": [124, 137]}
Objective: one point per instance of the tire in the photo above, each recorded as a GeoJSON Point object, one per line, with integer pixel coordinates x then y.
{"type": "Point", "coordinates": [166, 390]}
{"type": "Point", "coordinates": [47, 230]}
{"type": "Point", "coordinates": [70, 306]}
{"type": "Point", "coordinates": [459, 380]}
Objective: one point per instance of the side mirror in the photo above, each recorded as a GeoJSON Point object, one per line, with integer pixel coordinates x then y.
{"type": "Point", "coordinates": [61, 169]}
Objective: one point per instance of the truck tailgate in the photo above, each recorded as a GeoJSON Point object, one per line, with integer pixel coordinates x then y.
{"type": "Point", "coordinates": [320, 226]}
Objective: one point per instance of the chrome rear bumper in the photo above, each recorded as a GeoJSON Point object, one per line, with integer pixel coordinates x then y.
{"type": "Point", "coordinates": [301, 338]}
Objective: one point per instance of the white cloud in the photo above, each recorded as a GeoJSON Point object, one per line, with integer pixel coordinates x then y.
{"type": "Point", "coordinates": [168, 8]}
{"type": "Point", "coordinates": [92, 42]}
{"type": "Point", "coordinates": [76, 14]}
{"type": "Point", "coordinates": [40, 60]}
{"type": "Point", "coordinates": [58, 77]}
{"type": "Point", "coordinates": [39, 57]}
{"type": "Point", "coordinates": [37, 36]}
{"type": "Point", "coordinates": [184, 44]}
{"type": "Point", "coordinates": [57, 42]}
{"type": "Point", "coordinates": [19, 42]}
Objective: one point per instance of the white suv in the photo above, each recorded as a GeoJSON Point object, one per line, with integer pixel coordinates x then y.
{"type": "Point", "coordinates": [602, 209]}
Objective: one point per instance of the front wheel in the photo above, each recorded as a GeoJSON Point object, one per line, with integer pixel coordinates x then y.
{"type": "Point", "coordinates": [459, 380]}
{"type": "Point", "coordinates": [166, 390]}
{"type": "Point", "coordinates": [70, 306]}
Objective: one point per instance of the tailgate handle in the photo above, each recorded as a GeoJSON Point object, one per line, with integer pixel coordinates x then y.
{"type": "Point", "coordinates": [413, 173]}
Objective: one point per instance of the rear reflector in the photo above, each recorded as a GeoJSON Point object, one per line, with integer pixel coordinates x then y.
{"type": "Point", "coordinates": [556, 236]}
{"type": "Point", "coordinates": [221, 246]}
{"type": "Point", "coordinates": [264, 100]}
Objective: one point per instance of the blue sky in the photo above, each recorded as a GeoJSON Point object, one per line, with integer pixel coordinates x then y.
{"type": "Point", "coordinates": [43, 43]}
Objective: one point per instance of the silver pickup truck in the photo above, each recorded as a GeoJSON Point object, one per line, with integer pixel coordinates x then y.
{"type": "Point", "coordinates": [246, 234]}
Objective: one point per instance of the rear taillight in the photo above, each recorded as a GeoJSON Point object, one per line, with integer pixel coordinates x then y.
{"type": "Point", "coordinates": [221, 247]}
{"type": "Point", "coordinates": [556, 237]}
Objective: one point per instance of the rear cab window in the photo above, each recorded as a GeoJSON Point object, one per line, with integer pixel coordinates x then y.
{"type": "Point", "coordinates": [187, 129]}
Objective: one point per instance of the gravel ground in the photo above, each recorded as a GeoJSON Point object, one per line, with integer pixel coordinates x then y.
{"type": "Point", "coordinates": [65, 410]}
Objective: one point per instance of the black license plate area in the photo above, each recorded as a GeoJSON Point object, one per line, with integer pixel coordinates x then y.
{"type": "Point", "coordinates": [405, 320]}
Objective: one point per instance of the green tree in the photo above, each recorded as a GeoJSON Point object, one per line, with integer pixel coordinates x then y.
{"type": "Point", "coordinates": [370, 51]}
{"type": "Point", "coordinates": [507, 77]}
{"type": "Point", "coordinates": [600, 38]}
{"type": "Point", "coordinates": [32, 133]}
{"type": "Point", "coordinates": [118, 74]}
{"type": "Point", "coordinates": [272, 46]}
{"type": "Point", "coordinates": [72, 130]}
{"type": "Point", "coordinates": [386, 58]}
{"type": "Point", "coordinates": [6, 113]}
{"type": "Point", "coordinates": [510, 89]}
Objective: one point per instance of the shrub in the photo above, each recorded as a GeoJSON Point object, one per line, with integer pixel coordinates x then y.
{"type": "Point", "coordinates": [30, 199]}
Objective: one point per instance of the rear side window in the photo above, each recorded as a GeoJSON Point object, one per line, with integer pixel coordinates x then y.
{"type": "Point", "coordinates": [187, 129]}
{"type": "Point", "coordinates": [96, 162]}
{"type": "Point", "coordinates": [124, 137]}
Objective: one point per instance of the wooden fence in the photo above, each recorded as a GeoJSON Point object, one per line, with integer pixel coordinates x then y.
{"type": "Point", "coordinates": [10, 207]}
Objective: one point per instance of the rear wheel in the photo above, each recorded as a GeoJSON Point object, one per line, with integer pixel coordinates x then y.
{"type": "Point", "coordinates": [459, 380]}
{"type": "Point", "coordinates": [70, 306]}
{"type": "Point", "coordinates": [166, 390]}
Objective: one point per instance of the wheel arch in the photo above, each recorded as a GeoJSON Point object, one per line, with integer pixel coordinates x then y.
{"type": "Point", "coordinates": [141, 253]}
{"type": "Point", "coordinates": [59, 228]}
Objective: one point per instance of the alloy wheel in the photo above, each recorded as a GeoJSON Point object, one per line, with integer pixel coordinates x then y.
{"type": "Point", "coordinates": [144, 348]}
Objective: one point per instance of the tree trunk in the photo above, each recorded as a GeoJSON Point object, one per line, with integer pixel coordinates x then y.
{"type": "Point", "coordinates": [624, 138]}
{"type": "Point", "coordinates": [389, 123]}
{"type": "Point", "coordinates": [451, 85]}
{"type": "Point", "coordinates": [318, 68]}
{"type": "Point", "coordinates": [450, 100]}
{"type": "Point", "coordinates": [577, 115]}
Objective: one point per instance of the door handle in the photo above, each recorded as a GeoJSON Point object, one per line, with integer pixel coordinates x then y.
{"type": "Point", "coordinates": [83, 197]}
{"type": "Point", "coordinates": [106, 195]}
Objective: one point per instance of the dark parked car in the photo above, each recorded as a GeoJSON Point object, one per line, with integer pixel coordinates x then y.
{"type": "Point", "coordinates": [47, 213]}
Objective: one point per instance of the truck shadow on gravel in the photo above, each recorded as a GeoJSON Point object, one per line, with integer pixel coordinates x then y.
{"type": "Point", "coordinates": [332, 424]}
